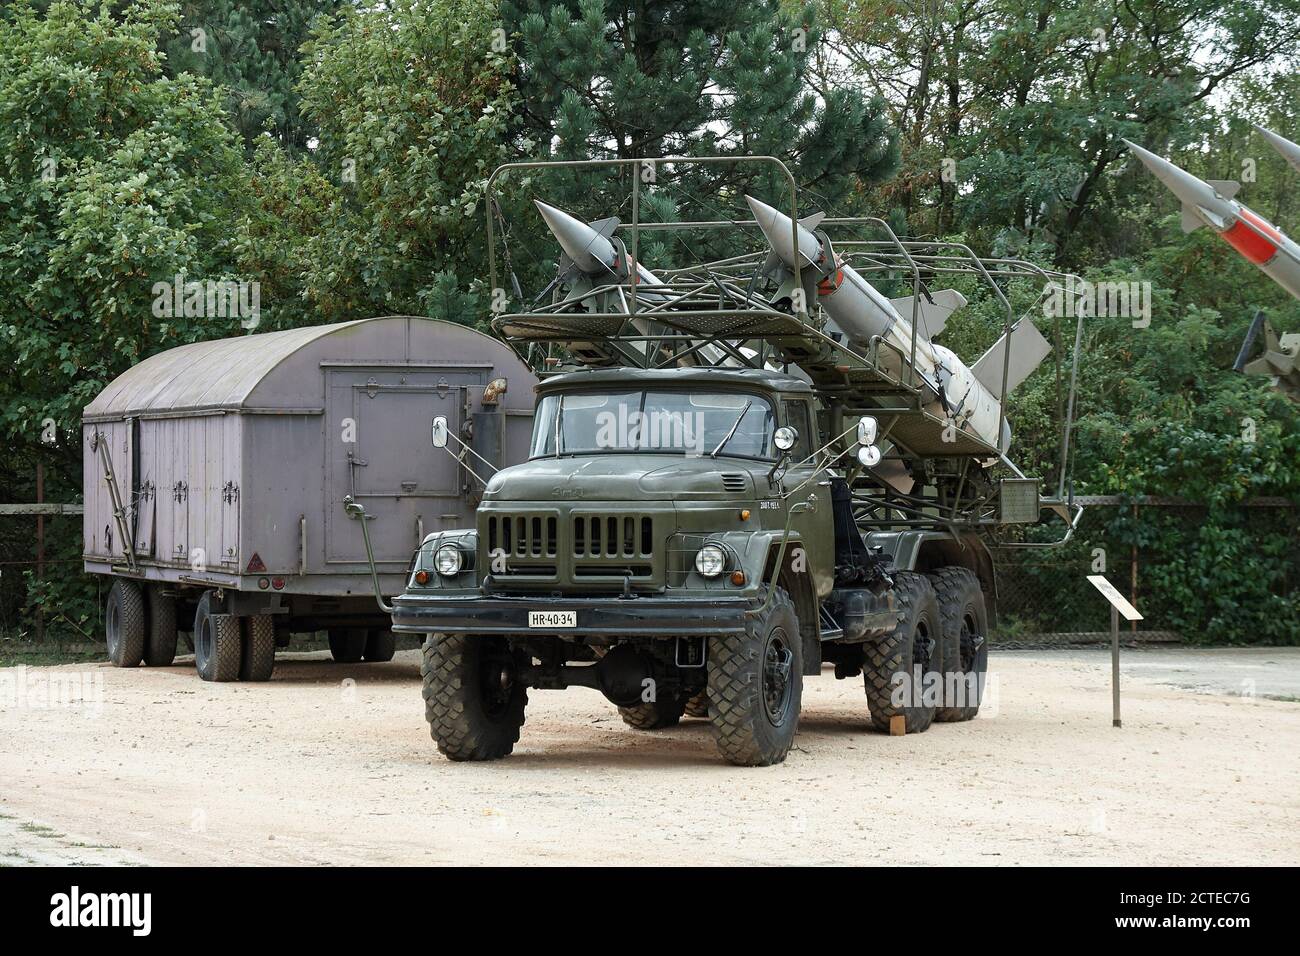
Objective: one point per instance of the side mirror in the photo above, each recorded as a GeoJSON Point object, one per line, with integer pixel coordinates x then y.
{"type": "Point", "coordinates": [868, 429]}
{"type": "Point", "coordinates": [438, 433]}
{"type": "Point", "coordinates": [785, 438]}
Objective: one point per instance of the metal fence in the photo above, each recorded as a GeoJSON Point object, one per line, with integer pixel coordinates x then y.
{"type": "Point", "coordinates": [1160, 553]}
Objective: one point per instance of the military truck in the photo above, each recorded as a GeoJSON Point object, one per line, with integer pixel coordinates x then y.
{"type": "Point", "coordinates": [724, 495]}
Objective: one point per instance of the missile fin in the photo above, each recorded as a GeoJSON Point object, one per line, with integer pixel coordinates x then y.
{"type": "Point", "coordinates": [1191, 221]}
{"type": "Point", "coordinates": [607, 226]}
{"type": "Point", "coordinates": [1227, 188]}
{"type": "Point", "coordinates": [812, 222]}
{"type": "Point", "coordinates": [1028, 349]}
{"type": "Point", "coordinates": [932, 313]}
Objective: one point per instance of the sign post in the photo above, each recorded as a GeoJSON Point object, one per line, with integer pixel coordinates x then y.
{"type": "Point", "coordinates": [1118, 605]}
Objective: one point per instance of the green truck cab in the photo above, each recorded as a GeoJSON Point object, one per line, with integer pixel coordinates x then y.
{"type": "Point", "coordinates": [682, 540]}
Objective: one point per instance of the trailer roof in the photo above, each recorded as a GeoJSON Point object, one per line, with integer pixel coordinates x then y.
{"type": "Point", "coordinates": [218, 374]}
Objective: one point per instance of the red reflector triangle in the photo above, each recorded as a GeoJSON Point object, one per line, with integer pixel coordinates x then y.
{"type": "Point", "coordinates": [255, 563]}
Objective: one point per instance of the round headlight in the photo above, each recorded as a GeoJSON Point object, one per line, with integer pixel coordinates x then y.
{"type": "Point", "coordinates": [785, 438]}
{"type": "Point", "coordinates": [448, 560]}
{"type": "Point", "coordinates": [710, 561]}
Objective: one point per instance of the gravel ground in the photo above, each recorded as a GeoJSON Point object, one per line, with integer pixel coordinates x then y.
{"type": "Point", "coordinates": [332, 763]}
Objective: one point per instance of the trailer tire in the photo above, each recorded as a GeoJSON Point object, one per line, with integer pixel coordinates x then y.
{"type": "Point", "coordinates": [381, 645]}
{"type": "Point", "coordinates": [663, 711]}
{"type": "Point", "coordinates": [965, 641]}
{"type": "Point", "coordinates": [347, 645]}
{"type": "Point", "coordinates": [217, 643]}
{"type": "Point", "coordinates": [124, 623]}
{"type": "Point", "coordinates": [473, 706]}
{"type": "Point", "coordinates": [698, 706]}
{"type": "Point", "coordinates": [160, 644]}
{"type": "Point", "coordinates": [259, 648]}
{"type": "Point", "coordinates": [914, 642]}
{"type": "Point", "coordinates": [755, 686]}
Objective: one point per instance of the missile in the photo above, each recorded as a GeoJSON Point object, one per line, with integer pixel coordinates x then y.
{"type": "Point", "coordinates": [1285, 148]}
{"type": "Point", "coordinates": [860, 313]}
{"type": "Point", "coordinates": [590, 248]}
{"type": "Point", "coordinates": [1212, 204]}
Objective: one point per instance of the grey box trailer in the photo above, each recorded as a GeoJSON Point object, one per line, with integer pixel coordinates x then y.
{"type": "Point", "coordinates": [215, 475]}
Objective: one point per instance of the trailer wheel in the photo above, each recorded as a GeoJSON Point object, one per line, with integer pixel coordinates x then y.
{"type": "Point", "coordinates": [259, 647]}
{"type": "Point", "coordinates": [347, 645]}
{"type": "Point", "coordinates": [160, 643]}
{"type": "Point", "coordinates": [965, 642]}
{"type": "Point", "coordinates": [698, 706]}
{"type": "Point", "coordinates": [663, 711]}
{"type": "Point", "coordinates": [755, 686]}
{"type": "Point", "coordinates": [381, 645]}
{"type": "Point", "coordinates": [891, 664]}
{"type": "Point", "coordinates": [217, 650]}
{"type": "Point", "coordinates": [473, 700]}
{"type": "Point", "coordinates": [124, 617]}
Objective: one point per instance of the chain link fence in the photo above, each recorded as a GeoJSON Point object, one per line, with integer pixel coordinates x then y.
{"type": "Point", "coordinates": [1196, 573]}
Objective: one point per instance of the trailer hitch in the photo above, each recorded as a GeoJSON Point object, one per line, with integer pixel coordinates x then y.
{"type": "Point", "coordinates": [354, 509]}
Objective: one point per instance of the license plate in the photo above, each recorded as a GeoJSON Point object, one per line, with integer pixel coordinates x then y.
{"type": "Point", "coordinates": [552, 619]}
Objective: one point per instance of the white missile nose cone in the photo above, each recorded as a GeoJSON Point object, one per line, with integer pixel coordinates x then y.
{"type": "Point", "coordinates": [1191, 190]}
{"type": "Point", "coordinates": [777, 231]}
{"type": "Point", "coordinates": [1283, 146]}
{"type": "Point", "coordinates": [590, 251]}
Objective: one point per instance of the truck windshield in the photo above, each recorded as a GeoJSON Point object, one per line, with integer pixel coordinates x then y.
{"type": "Point", "coordinates": [734, 424]}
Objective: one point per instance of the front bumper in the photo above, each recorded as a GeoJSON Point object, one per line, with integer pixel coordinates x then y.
{"type": "Point", "coordinates": [597, 616]}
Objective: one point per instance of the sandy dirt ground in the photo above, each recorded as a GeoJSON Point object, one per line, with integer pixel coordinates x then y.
{"type": "Point", "coordinates": [332, 763]}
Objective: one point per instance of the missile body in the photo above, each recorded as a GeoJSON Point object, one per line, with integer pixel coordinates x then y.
{"type": "Point", "coordinates": [1285, 148]}
{"type": "Point", "coordinates": [1212, 204]}
{"type": "Point", "coordinates": [861, 313]}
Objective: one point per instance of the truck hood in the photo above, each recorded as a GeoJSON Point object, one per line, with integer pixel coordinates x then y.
{"type": "Point", "coordinates": [627, 477]}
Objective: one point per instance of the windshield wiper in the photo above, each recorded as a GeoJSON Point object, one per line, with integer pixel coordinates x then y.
{"type": "Point", "coordinates": [736, 424]}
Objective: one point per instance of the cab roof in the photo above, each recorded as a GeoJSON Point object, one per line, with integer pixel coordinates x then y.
{"type": "Point", "coordinates": [676, 377]}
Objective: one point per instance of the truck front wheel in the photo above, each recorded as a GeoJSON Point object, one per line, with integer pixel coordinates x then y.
{"type": "Point", "coordinates": [755, 686]}
{"type": "Point", "coordinates": [473, 699]}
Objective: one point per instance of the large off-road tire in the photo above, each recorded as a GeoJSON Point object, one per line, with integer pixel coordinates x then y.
{"type": "Point", "coordinates": [124, 623]}
{"type": "Point", "coordinates": [965, 642]}
{"type": "Point", "coordinates": [472, 701]}
{"type": "Point", "coordinates": [892, 663]}
{"type": "Point", "coordinates": [259, 648]}
{"type": "Point", "coordinates": [755, 686]}
{"type": "Point", "coordinates": [347, 645]}
{"type": "Point", "coordinates": [381, 645]}
{"type": "Point", "coordinates": [698, 706]}
{"type": "Point", "coordinates": [218, 644]}
{"type": "Point", "coordinates": [665, 711]}
{"type": "Point", "coordinates": [160, 639]}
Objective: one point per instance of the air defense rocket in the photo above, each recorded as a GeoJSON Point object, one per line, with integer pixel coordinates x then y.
{"type": "Point", "coordinates": [591, 249]}
{"type": "Point", "coordinates": [860, 313]}
{"type": "Point", "coordinates": [1285, 148]}
{"type": "Point", "coordinates": [1212, 204]}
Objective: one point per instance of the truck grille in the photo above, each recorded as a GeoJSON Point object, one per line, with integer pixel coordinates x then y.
{"type": "Point", "coordinates": [612, 536]}
{"type": "Point", "coordinates": [522, 535]}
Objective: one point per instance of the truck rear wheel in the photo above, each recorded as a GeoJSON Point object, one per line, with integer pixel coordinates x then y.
{"type": "Point", "coordinates": [217, 642]}
{"type": "Point", "coordinates": [894, 668]}
{"type": "Point", "coordinates": [259, 648]}
{"type": "Point", "coordinates": [698, 706]}
{"type": "Point", "coordinates": [381, 645]}
{"type": "Point", "coordinates": [124, 627]}
{"type": "Point", "coordinates": [965, 642]}
{"type": "Point", "coordinates": [347, 645]}
{"type": "Point", "coordinates": [473, 700]}
{"type": "Point", "coordinates": [160, 641]}
{"type": "Point", "coordinates": [664, 711]}
{"type": "Point", "coordinates": [755, 686]}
